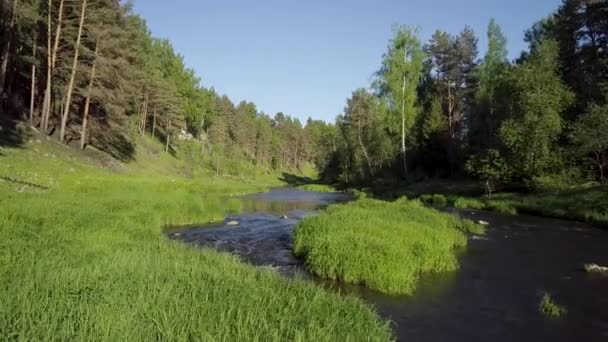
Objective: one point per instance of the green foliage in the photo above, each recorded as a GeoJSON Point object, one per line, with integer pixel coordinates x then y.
{"type": "Point", "coordinates": [549, 308]}
{"type": "Point", "coordinates": [382, 245]}
{"type": "Point", "coordinates": [86, 260]}
{"type": "Point", "coordinates": [540, 98]}
{"type": "Point", "coordinates": [492, 169]}
{"type": "Point", "coordinates": [590, 135]}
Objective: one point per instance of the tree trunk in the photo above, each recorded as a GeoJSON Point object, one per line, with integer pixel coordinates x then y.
{"type": "Point", "coordinates": [144, 115]}
{"type": "Point", "coordinates": [168, 138]}
{"type": "Point", "coordinates": [33, 90]}
{"type": "Point", "coordinates": [88, 100]}
{"type": "Point", "coordinates": [403, 128]}
{"type": "Point", "coordinates": [369, 162]}
{"type": "Point", "coordinates": [51, 61]}
{"type": "Point", "coordinates": [68, 98]}
{"type": "Point", "coordinates": [154, 123]}
{"type": "Point", "coordinates": [10, 33]}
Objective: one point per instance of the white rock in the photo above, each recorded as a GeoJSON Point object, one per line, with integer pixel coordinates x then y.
{"type": "Point", "coordinates": [483, 223]}
{"type": "Point", "coordinates": [594, 268]}
{"type": "Point", "coordinates": [232, 223]}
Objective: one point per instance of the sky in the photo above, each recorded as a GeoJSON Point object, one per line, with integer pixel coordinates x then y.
{"type": "Point", "coordinates": [305, 57]}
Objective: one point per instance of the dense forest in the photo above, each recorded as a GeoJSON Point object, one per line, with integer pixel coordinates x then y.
{"type": "Point", "coordinates": [89, 73]}
{"type": "Point", "coordinates": [438, 110]}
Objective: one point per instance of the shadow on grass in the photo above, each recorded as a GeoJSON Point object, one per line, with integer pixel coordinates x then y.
{"type": "Point", "coordinates": [115, 144]}
{"type": "Point", "coordinates": [295, 180]}
{"type": "Point", "coordinates": [19, 182]}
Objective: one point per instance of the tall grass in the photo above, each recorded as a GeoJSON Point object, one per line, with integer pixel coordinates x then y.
{"type": "Point", "coordinates": [382, 245]}
{"type": "Point", "coordinates": [84, 259]}
{"type": "Point", "coordinates": [588, 204]}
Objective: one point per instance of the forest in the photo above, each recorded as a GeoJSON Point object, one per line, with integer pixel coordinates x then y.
{"type": "Point", "coordinates": [90, 73]}
{"type": "Point", "coordinates": [138, 203]}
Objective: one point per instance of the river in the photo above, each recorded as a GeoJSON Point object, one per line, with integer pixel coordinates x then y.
{"type": "Point", "coordinates": [494, 296]}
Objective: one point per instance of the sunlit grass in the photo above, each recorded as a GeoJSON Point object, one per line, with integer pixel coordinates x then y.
{"type": "Point", "coordinates": [382, 245]}
{"type": "Point", "coordinates": [82, 257]}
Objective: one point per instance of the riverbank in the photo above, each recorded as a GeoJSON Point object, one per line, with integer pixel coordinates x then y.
{"type": "Point", "coordinates": [584, 203]}
{"type": "Point", "coordinates": [82, 257]}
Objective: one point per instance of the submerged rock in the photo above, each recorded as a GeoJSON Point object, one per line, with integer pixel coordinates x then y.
{"type": "Point", "coordinates": [594, 268]}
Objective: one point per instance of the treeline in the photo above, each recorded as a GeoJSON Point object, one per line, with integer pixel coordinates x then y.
{"type": "Point", "coordinates": [88, 72]}
{"type": "Point", "coordinates": [438, 110]}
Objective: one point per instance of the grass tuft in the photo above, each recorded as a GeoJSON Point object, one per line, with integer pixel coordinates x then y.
{"type": "Point", "coordinates": [382, 245]}
{"type": "Point", "coordinates": [549, 308]}
{"type": "Point", "coordinates": [434, 200]}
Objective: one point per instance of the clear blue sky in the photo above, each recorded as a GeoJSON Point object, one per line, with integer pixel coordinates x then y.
{"type": "Point", "coordinates": [305, 57]}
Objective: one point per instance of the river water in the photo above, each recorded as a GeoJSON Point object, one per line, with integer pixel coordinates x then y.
{"type": "Point", "coordinates": [494, 296]}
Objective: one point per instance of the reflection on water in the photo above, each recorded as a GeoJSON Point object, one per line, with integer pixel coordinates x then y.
{"type": "Point", "coordinates": [262, 234]}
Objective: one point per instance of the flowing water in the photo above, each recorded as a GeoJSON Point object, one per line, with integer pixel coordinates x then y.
{"type": "Point", "coordinates": [494, 296]}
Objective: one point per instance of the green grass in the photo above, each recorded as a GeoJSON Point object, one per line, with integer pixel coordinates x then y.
{"type": "Point", "coordinates": [84, 259]}
{"type": "Point", "coordinates": [382, 245]}
{"type": "Point", "coordinates": [549, 308]}
{"type": "Point", "coordinates": [587, 204]}
{"type": "Point", "coordinates": [317, 188]}
{"type": "Point", "coordinates": [469, 203]}
{"type": "Point", "coordinates": [434, 200]}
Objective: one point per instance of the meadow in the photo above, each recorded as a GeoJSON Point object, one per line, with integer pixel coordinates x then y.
{"type": "Point", "coordinates": [382, 245]}
{"type": "Point", "coordinates": [82, 257]}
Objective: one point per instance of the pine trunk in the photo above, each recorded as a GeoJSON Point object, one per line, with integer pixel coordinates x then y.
{"type": "Point", "coordinates": [87, 103]}
{"type": "Point", "coordinates": [33, 90]}
{"type": "Point", "coordinates": [51, 60]}
{"type": "Point", "coordinates": [7, 48]}
{"type": "Point", "coordinates": [154, 123]}
{"type": "Point", "coordinates": [403, 129]}
{"type": "Point", "coordinates": [68, 98]}
{"type": "Point", "coordinates": [168, 137]}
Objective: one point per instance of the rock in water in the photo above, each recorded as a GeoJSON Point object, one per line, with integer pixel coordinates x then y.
{"type": "Point", "coordinates": [483, 223]}
{"type": "Point", "coordinates": [284, 217]}
{"type": "Point", "coordinates": [232, 223]}
{"type": "Point", "coordinates": [594, 268]}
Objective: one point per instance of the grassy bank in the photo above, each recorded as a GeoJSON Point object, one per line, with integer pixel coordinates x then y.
{"type": "Point", "coordinates": [82, 257]}
{"type": "Point", "coordinates": [587, 204]}
{"type": "Point", "coordinates": [317, 187]}
{"type": "Point", "coordinates": [382, 245]}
